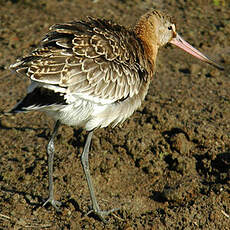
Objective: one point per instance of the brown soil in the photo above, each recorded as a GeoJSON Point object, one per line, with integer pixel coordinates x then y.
{"type": "Point", "coordinates": [167, 167]}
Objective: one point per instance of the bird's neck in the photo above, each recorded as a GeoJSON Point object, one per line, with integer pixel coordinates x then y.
{"type": "Point", "coordinates": [149, 42]}
{"type": "Point", "coordinates": [151, 53]}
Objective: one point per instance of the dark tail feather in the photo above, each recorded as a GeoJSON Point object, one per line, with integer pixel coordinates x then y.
{"type": "Point", "coordinates": [4, 114]}
{"type": "Point", "coordinates": [18, 108]}
{"type": "Point", "coordinates": [38, 98]}
{"type": "Point", "coordinates": [13, 111]}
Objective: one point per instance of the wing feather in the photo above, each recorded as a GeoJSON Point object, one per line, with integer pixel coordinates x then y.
{"type": "Point", "coordinates": [91, 59]}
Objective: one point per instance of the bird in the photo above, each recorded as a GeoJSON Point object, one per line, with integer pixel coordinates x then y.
{"type": "Point", "coordinates": [94, 73]}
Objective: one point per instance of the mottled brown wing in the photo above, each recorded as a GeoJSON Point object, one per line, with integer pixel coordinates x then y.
{"type": "Point", "coordinates": [95, 59]}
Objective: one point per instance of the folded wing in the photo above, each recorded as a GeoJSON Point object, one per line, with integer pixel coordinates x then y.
{"type": "Point", "coordinates": [93, 60]}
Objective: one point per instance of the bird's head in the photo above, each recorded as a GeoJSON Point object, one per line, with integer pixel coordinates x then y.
{"type": "Point", "coordinates": [158, 29]}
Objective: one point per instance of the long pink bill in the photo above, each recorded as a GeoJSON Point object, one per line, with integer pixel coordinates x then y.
{"type": "Point", "coordinates": [180, 42]}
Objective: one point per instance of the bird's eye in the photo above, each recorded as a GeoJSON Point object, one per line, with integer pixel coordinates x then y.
{"type": "Point", "coordinates": [170, 28]}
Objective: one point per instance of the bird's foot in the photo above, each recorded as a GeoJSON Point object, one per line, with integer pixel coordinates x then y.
{"type": "Point", "coordinates": [102, 214]}
{"type": "Point", "coordinates": [56, 204]}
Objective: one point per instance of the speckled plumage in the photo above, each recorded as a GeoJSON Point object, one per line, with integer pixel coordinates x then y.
{"type": "Point", "coordinates": [94, 73]}
{"type": "Point", "coordinates": [98, 67]}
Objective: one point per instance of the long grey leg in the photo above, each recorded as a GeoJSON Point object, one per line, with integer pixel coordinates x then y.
{"type": "Point", "coordinates": [50, 152]}
{"type": "Point", "coordinates": [85, 164]}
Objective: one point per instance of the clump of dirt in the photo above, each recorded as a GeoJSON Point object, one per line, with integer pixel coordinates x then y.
{"type": "Point", "coordinates": [167, 167]}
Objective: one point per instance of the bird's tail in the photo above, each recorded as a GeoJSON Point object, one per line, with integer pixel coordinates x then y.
{"type": "Point", "coordinates": [37, 99]}
{"type": "Point", "coordinates": [10, 113]}
{"type": "Point", "coordinates": [3, 114]}
{"type": "Point", "coordinates": [18, 108]}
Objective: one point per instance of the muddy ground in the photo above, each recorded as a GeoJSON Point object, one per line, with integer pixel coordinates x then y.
{"type": "Point", "coordinates": [167, 167]}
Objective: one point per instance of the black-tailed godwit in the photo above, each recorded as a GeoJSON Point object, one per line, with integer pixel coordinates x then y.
{"type": "Point", "coordinates": [94, 73]}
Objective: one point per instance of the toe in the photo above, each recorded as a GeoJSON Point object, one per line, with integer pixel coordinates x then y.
{"type": "Point", "coordinates": [103, 214]}
{"type": "Point", "coordinates": [56, 204]}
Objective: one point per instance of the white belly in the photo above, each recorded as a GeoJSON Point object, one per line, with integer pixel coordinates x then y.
{"type": "Point", "coordinates": [90, 115]}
